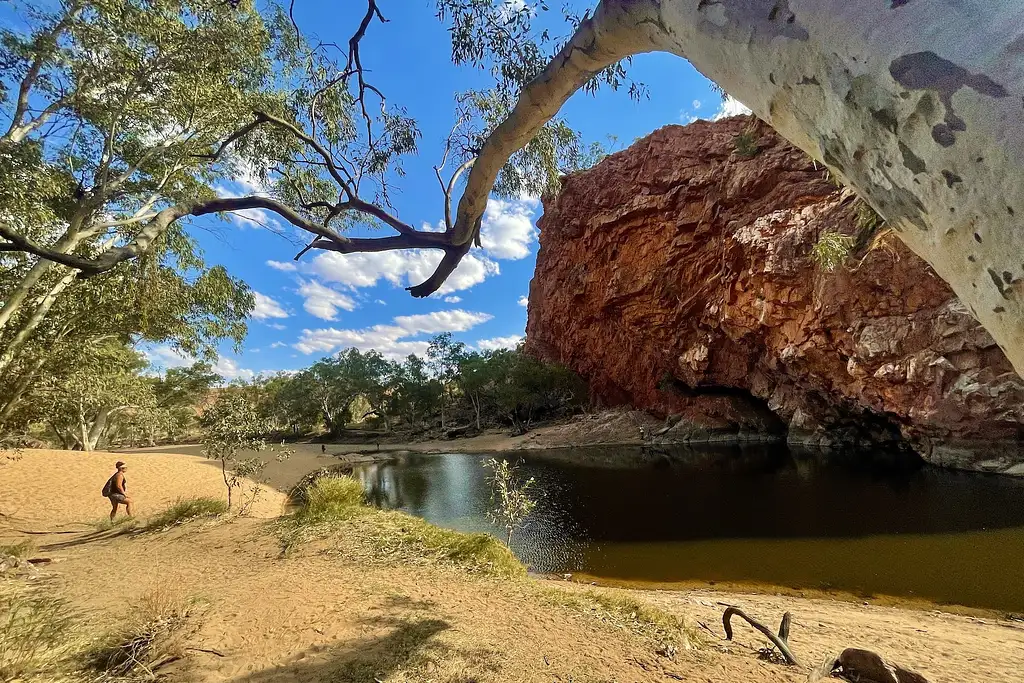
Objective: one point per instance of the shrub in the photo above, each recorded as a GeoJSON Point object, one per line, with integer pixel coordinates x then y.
{"type": "Point", "coordinates": [831, 250]}
{"type": "Point", "coordinates": [186, 510]}
{"type": "Point", "coordinates": [745, 144]}
{"type": "Point", "coordinates": [511, 502]}
{"type": "Point", "coordinates": [332, 499]}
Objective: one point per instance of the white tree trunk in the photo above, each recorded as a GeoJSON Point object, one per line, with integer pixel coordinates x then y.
{"type": "Point", "coordinates": [917, 104]}
{"type": "Point", "coordinates": [17, 343]}
{"type": "Point", "coordinates": [97, 430]}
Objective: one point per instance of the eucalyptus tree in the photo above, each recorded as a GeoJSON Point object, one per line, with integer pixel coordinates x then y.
{"type": "Point", "coordinates": [99, 386]}
{"type": "Point", "coordinates": [444, 356]}
{"type": "Point", "coordinates": [915, 103]}
{"type": "Point", "coordinates": [414, 393]}
{"type": "Point", "coordinates": [171, 297]}
{"type": "Point", "coordinates": [112, 107]}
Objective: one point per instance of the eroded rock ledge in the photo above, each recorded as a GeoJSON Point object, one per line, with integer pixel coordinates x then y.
{"type": "Point", "coordinates": [676, 276]}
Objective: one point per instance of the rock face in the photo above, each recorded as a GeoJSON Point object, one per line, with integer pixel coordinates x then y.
{"type": "Point", "coordinates": [677, 276]}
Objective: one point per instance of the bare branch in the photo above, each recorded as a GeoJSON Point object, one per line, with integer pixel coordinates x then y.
{"type": "Point", "coordinates": [111, 257]}
{"type": "Point", "coordinates": [780, 641]}
{"type": "Point", "coordinates": [240, 133]}
{"type": "Point", "coordinates": [601, 40]}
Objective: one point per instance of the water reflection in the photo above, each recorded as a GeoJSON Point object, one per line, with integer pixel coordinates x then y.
{"type": "Point", "coordinates": [755, 513]}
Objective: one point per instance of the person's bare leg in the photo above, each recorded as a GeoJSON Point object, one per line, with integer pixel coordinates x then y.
{"type": "Point", "coordinates": [113, 510]}
{"type": "Point", "coordinates": [128, 506]}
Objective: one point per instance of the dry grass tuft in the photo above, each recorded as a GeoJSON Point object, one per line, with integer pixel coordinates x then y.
{"type": "Point", "coordinates": [121, 524]}
{"type": "Point", "coordinates": [153, 636]}
{"type": "Point", "coordinates": [332, 499]}
{"type": "Point", "coordinates": [37, 633]}
{"type": "Point", "coordinates": [395, 537]}
{"type": "Point", "coordinates": [186, 510]}
{"type": "Point", "coordinates": [668, 632]}
{"type": "Point", "coordinates": [19, 550]}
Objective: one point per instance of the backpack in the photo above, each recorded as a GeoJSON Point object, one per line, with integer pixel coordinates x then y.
{"type": "Point", "coordinates": [108, 488]}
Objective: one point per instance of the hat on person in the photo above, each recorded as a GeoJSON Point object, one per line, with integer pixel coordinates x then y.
{"type": "Point", "coordinates": [119, 464]}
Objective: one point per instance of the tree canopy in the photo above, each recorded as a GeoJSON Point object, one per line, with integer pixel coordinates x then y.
{"type": "Point", "coordinates": [115, 135]}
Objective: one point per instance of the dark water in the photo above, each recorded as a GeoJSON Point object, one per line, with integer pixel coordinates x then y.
{"type": "Point", "coordinates": [756, 514]}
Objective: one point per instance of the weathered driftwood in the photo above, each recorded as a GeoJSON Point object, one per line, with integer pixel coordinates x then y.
{"type": "Point", "coordinates": [780, 641]}
{"type": "Point", "coordinates": [864, 666]}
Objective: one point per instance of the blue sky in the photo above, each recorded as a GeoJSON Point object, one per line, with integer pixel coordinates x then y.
{"type": "Point", "coordinates": [328, 301]}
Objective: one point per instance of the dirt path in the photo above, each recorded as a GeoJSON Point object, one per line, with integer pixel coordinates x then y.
{"type": "Point", "coordinates": [319, 616]}
{"type": "Point", "coordinates": [328, 612]}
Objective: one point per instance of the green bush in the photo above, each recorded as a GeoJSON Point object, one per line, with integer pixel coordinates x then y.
{"type": "Point", "coordinates": [332, 499]}
{"type": "Point", "coordinates": [745, 144]}
{"type": "Point", "coordinates": [831, 250]}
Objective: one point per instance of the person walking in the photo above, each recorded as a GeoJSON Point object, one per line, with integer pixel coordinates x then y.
{"type": "Point", "coordinates": [116, 490]}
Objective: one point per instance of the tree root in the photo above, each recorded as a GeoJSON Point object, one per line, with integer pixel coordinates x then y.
{"type": "Point", "coordinates": [780, 641]}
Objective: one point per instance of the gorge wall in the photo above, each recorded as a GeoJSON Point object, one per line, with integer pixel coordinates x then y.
{"type": "Point", "coordinates": [676, 276]}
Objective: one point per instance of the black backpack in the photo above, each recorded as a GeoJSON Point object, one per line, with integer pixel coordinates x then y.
{"type": "Point", "coordinates": [108, 488]}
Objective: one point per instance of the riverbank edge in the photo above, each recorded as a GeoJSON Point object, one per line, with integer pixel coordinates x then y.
{"type": "Point", "coordinates": [340, 456]}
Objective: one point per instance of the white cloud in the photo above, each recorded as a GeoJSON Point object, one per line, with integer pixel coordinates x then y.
{"type": "Point", "coordinates": [523, 301]}
{"type": "Point", "coordinates": [277, 345]}
{"type": "Point", "coordinates": [246, 218]}
{"type": "Point", "coordinates": [696, 104]}
{"type": "Point", "coordinates": [496, 343]}
{"type": "Point", "coordinates": [267, 308]}
{"type": "Point", "coordinates": [400, 268]}
{"type": "Point", "coordinates": [507, 229]}
{"type": "Point", "coordinates": [452, 299]}
{"type": "Point", "coordinates": [276, 326]}
{"type": "Point", "coordinates": [381, 302]}
{"type": "Point", "coordinates": [510, 8]}
{"type": "Point", "coordinates": [229, 370]}
{"type": "Point", "coordinates": [284, 266]}
{"type": "Point", "coordinates": [324, 302]}
{"type": "Point", "coordinates": [396, 340]}
{"type": "Point", "coordinates": [730, 107]}
{"type": "Point", "coordinates": [165, 357]}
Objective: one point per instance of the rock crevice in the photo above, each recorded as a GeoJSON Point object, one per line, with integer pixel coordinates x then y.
{"type": "Point", "coordinates": [676, 276]}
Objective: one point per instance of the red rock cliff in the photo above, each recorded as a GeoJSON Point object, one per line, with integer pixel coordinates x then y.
{"type": "Point", "coordinates": [676, 276]}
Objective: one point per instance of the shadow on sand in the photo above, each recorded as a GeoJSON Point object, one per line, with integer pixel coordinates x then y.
{"type": "Point", "coordinates": [361, 659]}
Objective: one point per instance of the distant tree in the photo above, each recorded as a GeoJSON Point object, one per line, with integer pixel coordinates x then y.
{"type": "Point", "coordinates": [414, 393]}
{"type": "Point", "coordinates": [476, 378]}
{"type": "Point", "coordinates": [444, 355]}
{"type": "Point", "coordinates": [180, 391]}
{"type": "Point", "coordinates": [98, 387]}
{"type": "Point", "coordinates": [231, 426]}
